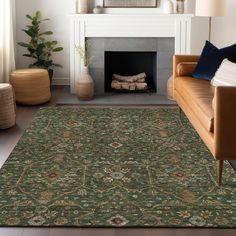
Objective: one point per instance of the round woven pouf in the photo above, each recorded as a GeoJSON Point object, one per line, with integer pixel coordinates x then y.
{"type": "Point", "coordinates": [7, 106]}
{"type": "Point", "coordinates": [31, 86]}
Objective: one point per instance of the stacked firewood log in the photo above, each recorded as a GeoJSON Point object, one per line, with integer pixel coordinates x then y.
{"type": "Point", "coordinates": [135, 82]}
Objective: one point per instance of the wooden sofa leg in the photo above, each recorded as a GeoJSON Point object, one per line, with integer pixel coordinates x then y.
{"type": "Point", "coordinates": [220, 170]}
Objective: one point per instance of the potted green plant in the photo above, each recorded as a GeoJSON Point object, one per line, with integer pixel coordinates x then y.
{"type": "Point", "coordinates": [39, 47]}
{"type": "Point", "coordinates": [85, 84]}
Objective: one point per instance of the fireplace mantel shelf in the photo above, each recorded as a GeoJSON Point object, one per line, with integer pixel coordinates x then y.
{"type": "Point", "coordinates": [177, 26]}
{"type": "Point", "coordinates": [95, 16]}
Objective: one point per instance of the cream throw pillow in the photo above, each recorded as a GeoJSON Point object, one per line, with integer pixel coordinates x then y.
{"type": "Point", "coordinates": [225, 75]}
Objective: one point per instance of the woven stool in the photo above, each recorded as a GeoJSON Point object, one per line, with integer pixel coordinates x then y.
{"type": "Point", "coordinates": [31, 86]}
{"type": "Point", "coordinates": [7, 106]}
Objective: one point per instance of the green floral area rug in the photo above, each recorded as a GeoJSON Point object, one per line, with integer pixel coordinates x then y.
{"type": "Point", "coordinates": [114, 168]}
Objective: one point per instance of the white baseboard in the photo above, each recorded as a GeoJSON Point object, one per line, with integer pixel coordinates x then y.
{"type": "Point", "coordinates": [61, 81]}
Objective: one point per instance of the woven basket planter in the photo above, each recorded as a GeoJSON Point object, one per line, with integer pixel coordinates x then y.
{"type": "Point", "coordinates": [31, 86]}
{"type": "Point", "coordinates": [7, 106]}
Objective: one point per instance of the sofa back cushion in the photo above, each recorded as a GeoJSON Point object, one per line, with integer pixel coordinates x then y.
{"type": "Point", "coordinates": [210, 60]}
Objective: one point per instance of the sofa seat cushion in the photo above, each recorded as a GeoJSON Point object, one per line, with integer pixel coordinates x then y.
{"type": "Point", "coordinates": [198, 94]}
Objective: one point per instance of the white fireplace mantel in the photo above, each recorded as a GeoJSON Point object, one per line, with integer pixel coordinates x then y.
{"type": "Point", "coordinates": [127, 25]}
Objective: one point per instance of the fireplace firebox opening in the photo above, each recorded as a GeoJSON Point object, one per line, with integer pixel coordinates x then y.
{"type": "Point", "coordinates": [130, 71]}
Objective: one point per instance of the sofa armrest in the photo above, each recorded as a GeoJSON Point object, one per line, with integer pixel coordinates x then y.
{"type": "Point", "coordinates": [225, 123]}
{"type": "Point", "coordinates": [185, 68]}
{"type": "Point", "coordinates": [177, 59]}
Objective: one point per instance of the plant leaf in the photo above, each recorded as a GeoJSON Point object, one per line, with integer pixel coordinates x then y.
{"type": "Point", "coordinates": [29, 55]}
{"type": "Point", "coordinates": [35, 22]}
{"type": "Point", "coordinates": [58, 65]}
{"type": "Point", "coordinates": [46, 33]}
{"type": "Point", "coordinates": [38, 14]}
{"type": "Point", "coordinates": [44, 19]}
{"type": "Point", "coordinates": [25, 45]}
{"type": "Point", "coordinates": [59, 49]}
{"type": "Point", "coordinates": [29, 17]}
{"type": "Point", "coordinates": [29, 32]}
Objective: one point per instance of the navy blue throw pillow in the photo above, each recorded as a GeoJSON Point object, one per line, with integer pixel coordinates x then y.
{"type": "Point", "coordinates": [210, 60]}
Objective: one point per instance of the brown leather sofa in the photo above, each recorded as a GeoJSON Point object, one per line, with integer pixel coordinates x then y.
{"type": "Point", "coordinates": [212, 111]}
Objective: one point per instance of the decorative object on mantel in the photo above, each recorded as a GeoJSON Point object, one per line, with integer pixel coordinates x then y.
{"type": "Point", "coordinates": [132, 83]}
{"type": "Point", "coordinates": [39, 48]}
{"type": "Point", "coordinates": [85, 85]}
{"type": "Point", "coordinates": [130, 3]}
{"type": "Point", "coordinates": [98, 10]}
{"type": "Point", "coordinates": [168, 7]}
{"type": "Point", "coordinates": [82, 6]}
{"type": "Point", "coordinates": [174, 6]}
{"type": "Point", "coordinates": [210, 8]}
{"type": "Point", "coordinates": [180, 6]}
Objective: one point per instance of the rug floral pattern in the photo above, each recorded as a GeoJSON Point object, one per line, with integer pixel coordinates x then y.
{"type": "Point", "coordinates": [92, 167]}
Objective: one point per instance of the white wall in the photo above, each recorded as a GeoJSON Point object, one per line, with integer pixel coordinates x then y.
{"type": "Point", "coordinates": [57, 11]}
{"type": "Point", "coordinates": [223, 30]}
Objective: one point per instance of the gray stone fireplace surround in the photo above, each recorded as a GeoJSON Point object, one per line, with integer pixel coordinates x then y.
{"type": "Point", "coordinates": [164, 47]}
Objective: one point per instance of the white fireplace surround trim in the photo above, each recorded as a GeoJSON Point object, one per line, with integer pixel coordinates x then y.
{"type": "Point", "coordinates": [122, 25]}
